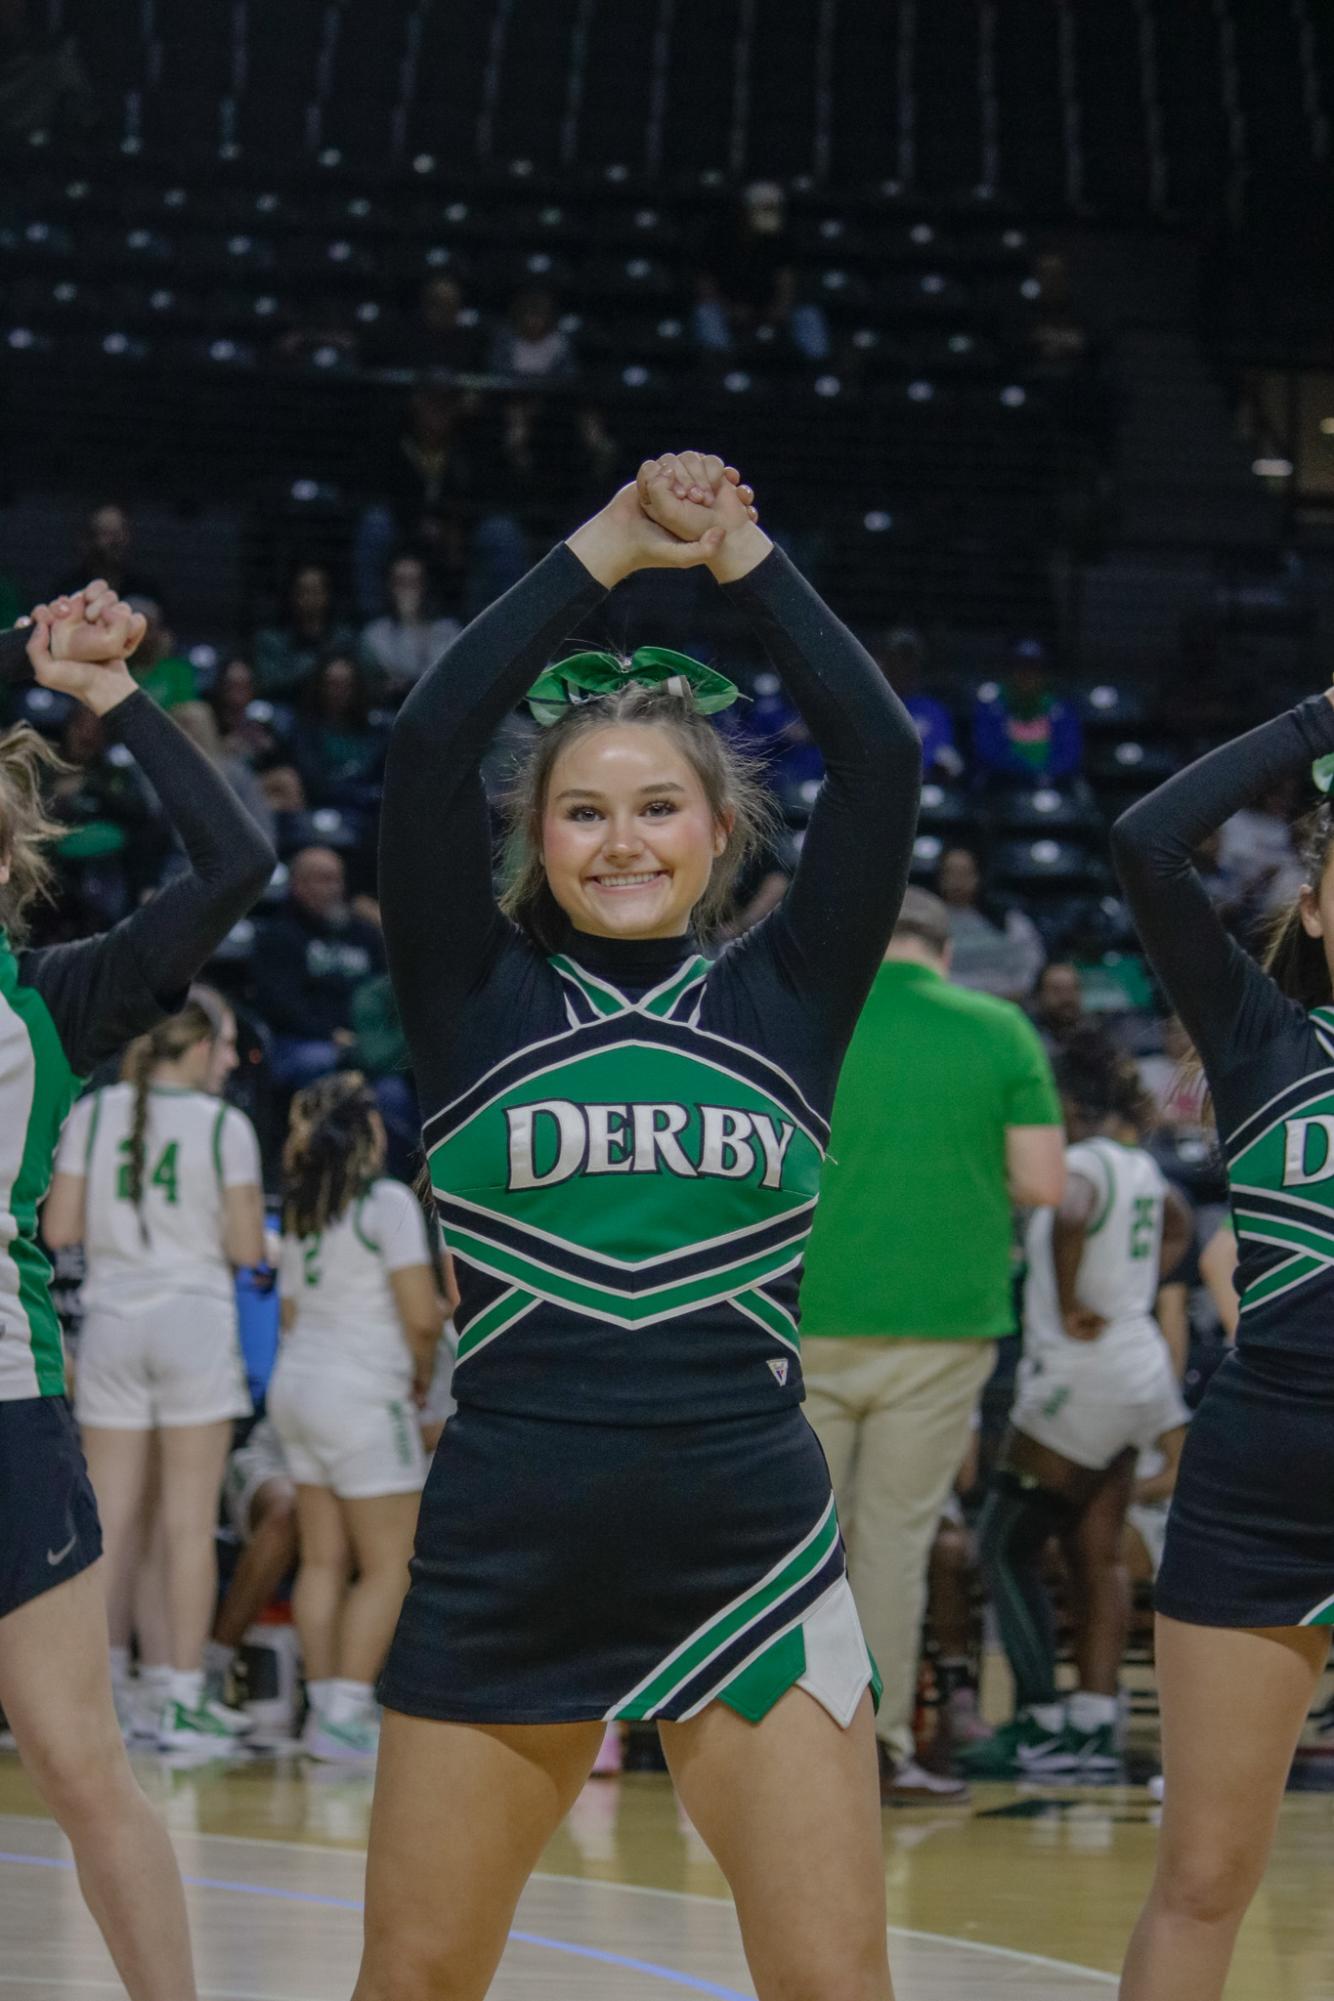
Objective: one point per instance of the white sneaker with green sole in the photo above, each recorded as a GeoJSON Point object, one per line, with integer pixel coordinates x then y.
{"type": "Point", "coordinates": [353, 1741]}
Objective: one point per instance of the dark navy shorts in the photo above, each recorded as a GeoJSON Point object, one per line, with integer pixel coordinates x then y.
{"type": "Point", "coordinates": [1250, 1535]}
{"type": "Point", "coordinates": [565, 1572]}
{"type": "Point", "coordinates": [49, 1530]}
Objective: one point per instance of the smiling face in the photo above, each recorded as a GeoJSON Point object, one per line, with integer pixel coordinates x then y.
{"type": "Point", "coordinates": [629, 839]}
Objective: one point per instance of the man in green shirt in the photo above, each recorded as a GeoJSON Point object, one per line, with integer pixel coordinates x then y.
{"type": "Point", "coordinates": [946, 1117]}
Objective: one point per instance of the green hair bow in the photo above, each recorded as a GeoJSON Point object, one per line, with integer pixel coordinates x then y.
{"type": "Point", "coordinates": [585, 676]}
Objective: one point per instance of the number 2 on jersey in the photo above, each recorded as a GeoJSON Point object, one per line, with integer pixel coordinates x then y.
{"type": "Point", "coordinates": [165, 1174]}
{"type": "Point", "coordinates": [310, 1260]}
{"type": "Point", "coordinates": [1143, 1226]}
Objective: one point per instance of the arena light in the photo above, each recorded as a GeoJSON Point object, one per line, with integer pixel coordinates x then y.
{"type": "Point", "coordinates": [921, 392]}
{"type": "Point", "coordinates": [891, 188]}
{"type": "Point", "coordinates": [1129, 755]}
{"type": "Point", "coordinates": [1030, 289]}
{"type": "Point", "coordinates": [521, 169]}
{"type": "Point", "coordinates": [162, 300]}
{"type": "Point", "coordinates": [1045, 800]}
{"type": "Point", "coordinates": [618, 171]}
{"type": "Point", "coordinates": [39, 139]}
{"type": "Point", "coordinates": [265, 306]}
{"type": "Point", "coordinates": [646, 218]}
{"type": "Point", "coordinates": [638, 267]}
{"type": "Point", "coordinates": [305, 490]}
{"type": "Point", "coordinates": [922, 232]}
{"type": "Point", "coordinates": [539, 262]}
{"type": "Point", "coordinates": [222, 350]}
{"type": "Point", "coordinates": [635, 376]}
{"type": "Point", "coordinates": [736, 381]}
{"type": "Point", "coordinates": [831, 229]}
{"type": "Point", "coordinates": [240, 246]}
{"type": "Point", "coordinates": [1014, 239]}
{"type": "Point", "coordinates": [175, 198]}
{"type": "Point", "coordinates": [1046, 853]}
{"type": "Point", "coordinates": [138, 239]}
{"type": "Point", "coordinates": [866, 337]}
{"type": "Point", "coordinates": [439, 254]}
{"type": "Point", "coordinates": [1272, 468]}
{"type": "Point", "coordinates": [339, 252]}
{"type": "Point", "coordinates": [115, 343]}
{"type": "Point", "coordinates": [670, 329]}
{"type": "Point", "coordinates": [268, 203]}
{"type": "Point", "coordinates": [834, 281]}
{"type": "Point", "coordinates": [21, 337]}
{"type": "Point", "coordinates": [1327, 426]}
{"type": "Point", "coordinates": [368, 311]}
{"type": "Point", "coordinates": [457, 212]}
{"type": "Point", "coordinates": [327, 356]}
{"type": "Point", "coordinates": [76, 191]}
{"type": "Point", "coordinates": [962, 343]}
{"type": "Point", "coordinates": [1103, 697]}
{"type": "Point", "coordinates": [331, 157]}
{"type": "Point", "coordinates": [928, 848]}
{"type": "Point", "coordinates": [424, 163]}
{"type": "Point", "coordinates": [828, 385]}
{"type": "Point", "coordinates": [933, 283]}
{"type": "Point", "coordinates": [878, 522]}
{"type": "Point", "coordinates": [359, 207]}
{"type": "Point", "coordinates": [551, 218]}
{"type": "Point", "coordinates": [204, 657]}
{"type": "Point", "coordinates": [933, 796]}
{"type": "Point", "coordinates": [1013, 396]}
{"type": "Point", "coordinates": [37, 232]}
{"type": "Point", "coordinates": [66, 292]}
{"type": "Point", "coordinates": [131, 146]}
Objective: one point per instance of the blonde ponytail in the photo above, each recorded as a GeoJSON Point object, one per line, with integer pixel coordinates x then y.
{"type": "Point", "coordinates": [26, 832]}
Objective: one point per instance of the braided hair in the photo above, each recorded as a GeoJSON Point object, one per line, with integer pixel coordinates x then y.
{"type": "Point", "coordinates": [1101, 1082]}
{"type": "Point", "coordinates": [200, 1020]}
{"type": "Point", "coordinates": [334, 1150]}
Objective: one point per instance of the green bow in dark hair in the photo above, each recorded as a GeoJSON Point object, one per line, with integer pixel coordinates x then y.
{"type": "Point", "coordinates": [584, 676]}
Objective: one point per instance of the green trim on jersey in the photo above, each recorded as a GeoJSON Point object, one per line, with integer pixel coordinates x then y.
{"type": "Point", "coordinates": [1110, 1200]}
{"type": "Point", "coordinates": [357, 1209]}
{"type": "Point", "coordinates": [630, 1177]}
{"type": "Point", "coordinates": [1282, 1183]}
{"type": "Point", "coordinates": [54, 1089]}
{"type": "Point", "coordinates": [218, 1124]}
{"type": "Point", "coordinates": [727, 1625]}
{"type": "Point", "coordinates": [93, 1119]}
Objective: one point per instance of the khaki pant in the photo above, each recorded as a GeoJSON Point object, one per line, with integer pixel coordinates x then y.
{"type": "Point", "coordinates": [893, 1417]}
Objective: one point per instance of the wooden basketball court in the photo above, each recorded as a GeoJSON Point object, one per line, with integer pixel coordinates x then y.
{"type": "Point", "coordinates": [1030, 1892]}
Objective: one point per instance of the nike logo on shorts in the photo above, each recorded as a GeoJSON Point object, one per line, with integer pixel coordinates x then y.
{"type": "Point", "coordinates": [55, 1556]}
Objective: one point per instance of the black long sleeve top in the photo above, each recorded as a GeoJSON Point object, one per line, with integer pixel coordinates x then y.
{"type": "Point", "coordinates": [1268, 1060]}
{"type": "Point", "coordinates": [473, 990]}
{"type": "Point", "coordinates": [101, 991]}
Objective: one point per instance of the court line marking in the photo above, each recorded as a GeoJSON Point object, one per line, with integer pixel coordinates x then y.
{"type": "Point", "coordinates": [273, 1893]}
{"type": "Point", "coordinates": [648, 1890]}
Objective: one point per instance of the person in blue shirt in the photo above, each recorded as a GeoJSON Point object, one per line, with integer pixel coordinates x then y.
{"type": "Point", "coordinates": [1022, 729]}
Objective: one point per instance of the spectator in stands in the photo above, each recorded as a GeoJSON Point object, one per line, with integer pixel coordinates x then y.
{"type": "Point", "coordinates": [1257, 862]}
{"type": "Point", "coordinates": [945, 1116]}
{"type": "Point", "coordinates": [746, 279]}
{"type": "Point", "coordinates": [159, 669]}
{"type": "Point", "coordinates": [105, 547]}
{"type": "Point", "coordinates": [335, 748]}
{"type": "Point", "coordinates": [442, 334]}
{"type": "Point", "coordinates": [428, 501]}
{"type": "Point", "coordinates": [410, 637]}
{"type": "Point", "coordinates": [531, 343]}
{"type": "Point", "coordinates": [286, 655]}
{"type": "Point", "coordinates": [1022, 729]}
{"type": "Point", "coordinates": [995, 950]}
{"type": "Point", "coordinates": [201, 726]}
{"type": "Point", "coordinates": [231, 698]}
{"type": "Point", "coordinates": [310, 958]}
{"type": "Point", "coordinates": [903, 656]}
{"type": "Point", "coordinates": [114, 844]}
{"type": "Point", "coordinates": [1058, 1005]}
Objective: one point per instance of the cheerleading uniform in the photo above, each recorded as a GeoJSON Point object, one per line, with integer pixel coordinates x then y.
{"type": "Point", "coordinates": [628, 1515]}
{"type": "Point", "coordinates": [63, 1010]}
{"type": "Point", "coordinates": [1250, 1537]}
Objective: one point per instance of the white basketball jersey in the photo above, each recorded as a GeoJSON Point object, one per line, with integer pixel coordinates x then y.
{"type": "Point", "coordinates": [346, 1318]}
{"type": "Point", "coordinates": [1118, 1273]}
{"type": "Point", "coordinates": [171, 1242]}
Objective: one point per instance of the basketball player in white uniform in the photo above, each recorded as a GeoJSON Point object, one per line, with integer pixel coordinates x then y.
{"type": "Point", "coordinates": [160, 1181]}
{"type": "Point", "coordinates": [362, 1318]}
{"type": "Point", "coordinates": [1096, 1388]}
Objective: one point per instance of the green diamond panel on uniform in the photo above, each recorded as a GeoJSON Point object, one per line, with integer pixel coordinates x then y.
{"type": "Point", "coordinates": [631, 1154]}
